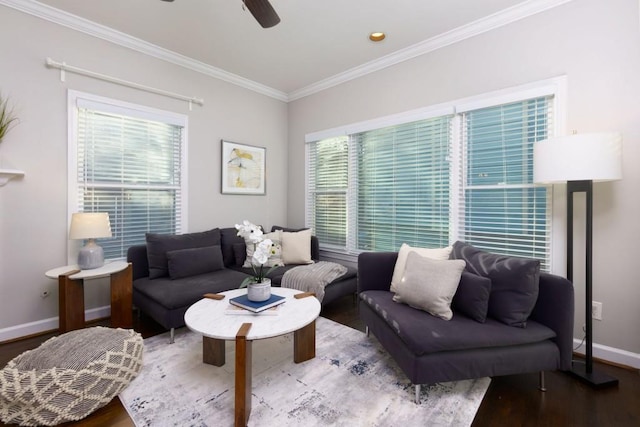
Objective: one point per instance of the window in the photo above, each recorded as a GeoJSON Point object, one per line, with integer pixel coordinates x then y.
{"type": "Point", "coordinates": [502, 210]}
{"type": "Point", "coordinates": [129, 161]}
{"type": "Point", "coordinates": [428, 178]}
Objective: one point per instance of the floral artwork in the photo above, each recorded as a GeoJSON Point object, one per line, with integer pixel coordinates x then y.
{"type": "Point", "coordinates": [243, 168]}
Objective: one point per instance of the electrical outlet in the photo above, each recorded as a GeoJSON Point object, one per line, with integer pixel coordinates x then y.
{"type": "Point", "coordinates": [596, 310]}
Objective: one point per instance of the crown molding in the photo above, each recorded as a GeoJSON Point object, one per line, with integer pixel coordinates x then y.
{"type": "Point", "coordinates": [94, 29]}
{"type": "Point", "coordinates": [491, 22]}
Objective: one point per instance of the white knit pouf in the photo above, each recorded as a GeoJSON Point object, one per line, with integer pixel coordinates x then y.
{"type": "Point", "coordinates": [69, 376]}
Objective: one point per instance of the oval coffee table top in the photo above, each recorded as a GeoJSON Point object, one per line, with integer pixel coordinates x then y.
{"type": "Point", "coordinates": [208, 317]}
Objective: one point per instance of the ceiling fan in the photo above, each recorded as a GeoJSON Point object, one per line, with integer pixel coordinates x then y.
{"type": "Point", "coordinates": [262, 10]}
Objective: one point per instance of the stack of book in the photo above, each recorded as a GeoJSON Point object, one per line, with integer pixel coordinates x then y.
{"type": "Point", "coordinates": [242, 304]}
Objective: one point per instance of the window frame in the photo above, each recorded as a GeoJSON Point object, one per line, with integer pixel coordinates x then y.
{"type": "Point", "coordinates": [110, 105]}
{"type": "Point", "coordinates": [556, 87]}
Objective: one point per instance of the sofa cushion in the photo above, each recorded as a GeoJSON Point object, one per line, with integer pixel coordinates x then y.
{"type": "Point", "coordinates": [228, 238]}
{"type": "Point", "coordinates": [276, 255]}
{"type": "Point", "coordinates": [429, 284]}
{"type": "Point", "coordinates": [288, 229]}
{"type": "Point", "coordinates": [296, 247]}
{"type": "Point", "coordinates": [514, 282]}
{"type": "Point", "coordinates": [398, 271]}
{"type": "Point", "coordinates": [173, 294]}
{"type": "Point", "coordinates": [472, 296]}
{"type": "Point", "coordinates": [240, 254]}
{"type": "Point", "coordinates": [425, 334]}
{"type": "Point", "coordinates": [275, 259]}
{"type": "Point", "coordinates": [194, 261]}
{"type": "Point", "coordinates": [159, 244]}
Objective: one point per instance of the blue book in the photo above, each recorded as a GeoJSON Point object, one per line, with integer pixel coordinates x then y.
{"type": "Point", "coordinates": [256, 307]}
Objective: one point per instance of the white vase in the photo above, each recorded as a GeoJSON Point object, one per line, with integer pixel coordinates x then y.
{"type": "Point", "coordinates": [259, 292]}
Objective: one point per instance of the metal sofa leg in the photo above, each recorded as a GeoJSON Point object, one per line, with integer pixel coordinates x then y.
{"type": "Point", "coordinates": [417, 394]}
{"type": "Point", "coordinates": [172, 335]}
{"type": "Point", "coordinates": [542, 387]}
{"type": "Point", "coordinates": [366, 330]}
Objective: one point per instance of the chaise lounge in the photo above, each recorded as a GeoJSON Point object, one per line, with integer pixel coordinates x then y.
{"type": "Point", "coordinates": [429, 349]}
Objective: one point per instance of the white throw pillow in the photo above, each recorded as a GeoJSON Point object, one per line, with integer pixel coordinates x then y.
{"type": "Point", "coordinates": [276, 256]}
{"type": "Point", "coordinates": [296, 247]}
{"type": "Point", "coordinates": [398, 271]}
{"type": "Point", "coordinates": [429, 284]}
{"type": "Point", "coordinates": [276, 249]}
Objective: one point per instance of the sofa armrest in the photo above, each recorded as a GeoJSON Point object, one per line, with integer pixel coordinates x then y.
{"type": "Point", "coordinates": [137, 256]}
{"type": "Point", "coordinates": [555, 309]}
{"type": "Point", "coordinates": [375, 270]}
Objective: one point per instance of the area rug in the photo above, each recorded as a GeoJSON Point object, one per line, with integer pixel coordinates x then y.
{"type": "Point", "coordinates": [352, 381]}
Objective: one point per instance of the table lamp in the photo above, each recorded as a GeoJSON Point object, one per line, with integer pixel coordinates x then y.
{"type": "Point", "coordinates": [579, 160]}
{"type": "Point", "coordinates": [90, 226]}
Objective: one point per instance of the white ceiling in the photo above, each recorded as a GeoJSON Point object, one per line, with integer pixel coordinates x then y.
{"type": "Point", "coordinates": [315, 40]}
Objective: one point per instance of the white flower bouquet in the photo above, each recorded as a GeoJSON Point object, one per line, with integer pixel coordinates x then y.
{"type": "Point", "coordinates": [263, 249]}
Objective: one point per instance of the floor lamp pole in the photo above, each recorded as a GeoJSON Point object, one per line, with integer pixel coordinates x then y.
{"type": "Point", "coordinates": [585, 372]}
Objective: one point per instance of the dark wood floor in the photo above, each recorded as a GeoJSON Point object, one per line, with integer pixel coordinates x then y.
{"type": "Point", "coordinates": [510, 401]}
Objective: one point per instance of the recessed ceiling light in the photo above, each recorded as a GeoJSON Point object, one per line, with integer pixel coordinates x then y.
{"type": "Point", "coordinates": [377, 37]}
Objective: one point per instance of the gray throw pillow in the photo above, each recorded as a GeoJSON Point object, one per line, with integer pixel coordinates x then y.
{"type": "Point", "coordinates": [159, 244]}
{"type": "Point", "coordinates": [194, 261]}
{"type": "Point", "coordinates": [472, 296]}
{"type": "Point", "coordinates": [514, 282]}
{"type": "Point", "coordinates": [429, 284]}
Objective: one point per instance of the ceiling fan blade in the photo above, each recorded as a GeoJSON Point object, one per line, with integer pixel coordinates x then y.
{"type": "Point", "coordinates": [263, 12]}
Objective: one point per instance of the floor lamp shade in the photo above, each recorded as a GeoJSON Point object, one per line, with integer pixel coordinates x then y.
{"type": "Point", "coordinates": [589, 156]}
{"type": "Point", "coordinates": [90, 226]}
{"type": "Point", "coordinates": [579, 160]}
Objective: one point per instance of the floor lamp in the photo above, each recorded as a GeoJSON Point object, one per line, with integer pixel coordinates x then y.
{"type": "Point", "coordinates": [580, 160]}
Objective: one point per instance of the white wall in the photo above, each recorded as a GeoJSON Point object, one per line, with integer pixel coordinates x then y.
{"type": "Point", "coordinates": [597, 45]}
{"type": "Point", "coordinates": [33, 210]}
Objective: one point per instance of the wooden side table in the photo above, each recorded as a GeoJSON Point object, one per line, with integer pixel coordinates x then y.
{"type": "Point", "coordinates": [71, 293]}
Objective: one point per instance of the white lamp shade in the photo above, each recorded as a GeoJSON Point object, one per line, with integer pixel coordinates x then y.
{"type": "Point", "coordinates": [589, 156]}
{"type": "Point", "coordinates": [90, 225]}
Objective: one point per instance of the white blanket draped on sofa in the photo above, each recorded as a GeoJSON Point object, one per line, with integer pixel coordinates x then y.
{"type": "Point", "coordinates": [313, 277]}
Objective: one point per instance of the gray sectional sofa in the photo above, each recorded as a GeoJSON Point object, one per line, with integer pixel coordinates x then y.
{"type": "Point", "coordinates": [479, 340]}
{"type": "Point", "coordinates": [171, 272]}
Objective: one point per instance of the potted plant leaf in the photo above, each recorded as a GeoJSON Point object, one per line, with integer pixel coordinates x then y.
{"type": "Point", "coordinates": [7, 118]}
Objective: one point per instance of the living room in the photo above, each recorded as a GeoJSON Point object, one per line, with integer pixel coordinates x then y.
{"type": "Point", "coordinates": [593, 45]}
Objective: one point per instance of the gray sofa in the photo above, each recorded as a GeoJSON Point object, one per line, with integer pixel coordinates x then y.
{"type": "Point", "coordinates": [175, 271]}
{"type": "Point", "coordinates": [429, 349]}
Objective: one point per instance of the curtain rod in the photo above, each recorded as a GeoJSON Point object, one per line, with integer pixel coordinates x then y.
{"type": "Point", "coordinates": [66, 67]}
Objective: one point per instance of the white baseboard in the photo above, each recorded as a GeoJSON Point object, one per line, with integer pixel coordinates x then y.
{"type": "Point", "coordinates": [50, 324]}
{"type": "Point", "coordinates": [610, 354]}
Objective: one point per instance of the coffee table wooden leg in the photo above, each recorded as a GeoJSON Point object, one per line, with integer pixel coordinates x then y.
{"type": "Point", "coordinates": [243, 376]}
{"type": "Point", "coordinates": [70, 302]}
{"type": "Point", "coordinates": [122, 298]}
{"type": "Point", "coordinates": [304, 343]}
{"type": "Point", "coordinates": [213, 351]}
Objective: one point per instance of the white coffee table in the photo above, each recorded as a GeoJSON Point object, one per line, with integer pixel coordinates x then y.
{"type": "Point", "coordinates": [208, 317]}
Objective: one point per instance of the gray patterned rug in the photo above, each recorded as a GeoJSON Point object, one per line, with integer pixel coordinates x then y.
{"type": "Point", "coordinates": [351, 382]}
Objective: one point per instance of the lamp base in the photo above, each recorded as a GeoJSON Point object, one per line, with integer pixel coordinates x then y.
{"type": "Point", "coordinates": [90, 256]}
{"type": "Point", "coordinates": [594, 379]}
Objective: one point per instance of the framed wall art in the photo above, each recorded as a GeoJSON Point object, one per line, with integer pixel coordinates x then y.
{"type": "Point", "coordinates": [243, 168]}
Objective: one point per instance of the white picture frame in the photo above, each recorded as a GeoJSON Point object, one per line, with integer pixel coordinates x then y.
{"type": "Point", "coordinates": [243, 169]}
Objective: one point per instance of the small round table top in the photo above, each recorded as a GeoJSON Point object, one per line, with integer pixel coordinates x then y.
{"type": "Point", "coordinates": [105, 271]}
{"type": "Point", "coordinates": [208, 317]}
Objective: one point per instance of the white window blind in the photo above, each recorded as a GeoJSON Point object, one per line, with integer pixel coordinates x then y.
{"type": "Point", "coordinates": [328, 182]}
{"type": "Point", "coordinates": [131, 166]}
{"type": "Point", "coordinates": [401, 193]}
{"type": "Point", "coordinates": [500, 208]}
